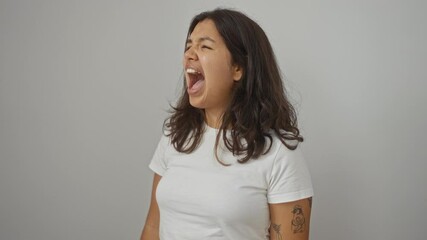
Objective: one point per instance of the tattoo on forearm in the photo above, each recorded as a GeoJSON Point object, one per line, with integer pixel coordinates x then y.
{"type": "Point", "coordinates": [276, 228]}
{"type": "Point", "coordinates": [298, 220]}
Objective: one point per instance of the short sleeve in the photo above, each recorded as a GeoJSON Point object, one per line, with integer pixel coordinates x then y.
{"type": "Point", "coordinates": [290, 179]}
{"type": "Point", "coordinates": [158, 163]}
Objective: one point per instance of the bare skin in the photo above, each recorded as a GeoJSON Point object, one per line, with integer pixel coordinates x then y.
{"type": "Point", "coordinates": [151, 228]}
{"type": "Point", "coordinates": [207, 52]}
{"type": "Point", "coordinates": [290, 220]}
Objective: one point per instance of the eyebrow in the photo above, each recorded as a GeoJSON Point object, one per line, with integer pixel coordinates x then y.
{"type": "Point", "coordinates": [201, 39]}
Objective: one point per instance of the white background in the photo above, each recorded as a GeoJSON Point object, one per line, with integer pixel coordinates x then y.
{"type": "Point", "coordinates": [85, 86]}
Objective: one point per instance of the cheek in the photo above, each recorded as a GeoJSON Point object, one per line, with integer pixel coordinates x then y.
{"type": "Point", "coordinates": [219, 73]}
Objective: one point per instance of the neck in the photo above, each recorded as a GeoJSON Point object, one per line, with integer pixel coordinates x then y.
{"type": "Point", "coordinates": [213, 118]}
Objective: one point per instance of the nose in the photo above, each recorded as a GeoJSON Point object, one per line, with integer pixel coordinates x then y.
{"type": "Point", "coordinates": [190, 54]}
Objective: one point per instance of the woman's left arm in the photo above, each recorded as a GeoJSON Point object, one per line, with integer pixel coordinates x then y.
{"type": "Point", "coordinates": [291, 220]}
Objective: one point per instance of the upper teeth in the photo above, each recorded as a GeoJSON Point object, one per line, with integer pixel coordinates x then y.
{"type": "Point", "coordinates": [190, 70]}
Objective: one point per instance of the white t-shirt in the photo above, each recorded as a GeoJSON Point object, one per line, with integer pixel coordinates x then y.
{"type": "Point", "coordinates": [199, 198]}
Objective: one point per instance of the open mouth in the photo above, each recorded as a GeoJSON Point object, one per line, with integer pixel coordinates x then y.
{"type": "Point", "coordinates": [195, 79]}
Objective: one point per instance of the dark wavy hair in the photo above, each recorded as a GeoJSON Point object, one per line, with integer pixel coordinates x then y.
{"type": "Point", "coordinates": [258, 105]}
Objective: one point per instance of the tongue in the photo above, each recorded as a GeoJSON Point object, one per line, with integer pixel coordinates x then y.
{"type": "Point", "coordinates": [197, 86]}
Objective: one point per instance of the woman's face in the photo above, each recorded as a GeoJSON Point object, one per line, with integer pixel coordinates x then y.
{"type": "Point", "coordinates": [209, 71]}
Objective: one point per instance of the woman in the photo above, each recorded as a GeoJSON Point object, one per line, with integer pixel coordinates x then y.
{"type": "Point", "coordinates": [228, 166]}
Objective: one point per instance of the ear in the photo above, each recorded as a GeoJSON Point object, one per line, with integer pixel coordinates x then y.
{"type": "Point", "coordinates": [237, 73]}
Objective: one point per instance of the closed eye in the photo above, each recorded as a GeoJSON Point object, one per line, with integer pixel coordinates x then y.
{"type": "Point", "coordinates": [203, 46]}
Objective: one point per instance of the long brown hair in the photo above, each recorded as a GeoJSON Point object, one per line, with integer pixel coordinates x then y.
{"type": "Point", "coordinates": [258, 106]}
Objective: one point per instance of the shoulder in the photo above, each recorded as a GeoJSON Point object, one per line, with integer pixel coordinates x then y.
{"type": "Point", "coordinates": [281, 147]}
{"type": "Point", "coordinates": [284, 159]}
{"type": "Point", "coordinates": [289, 178]}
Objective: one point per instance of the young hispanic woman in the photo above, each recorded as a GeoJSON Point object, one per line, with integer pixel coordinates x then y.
{"type": "Point", "coordinates": [228, 166]}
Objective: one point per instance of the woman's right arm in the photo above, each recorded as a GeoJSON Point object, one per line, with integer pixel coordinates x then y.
{"type": "Point", "coordinates": [151, 227]}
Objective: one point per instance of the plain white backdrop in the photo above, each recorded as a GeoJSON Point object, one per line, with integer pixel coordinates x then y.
{"type": "Point", "coordinates": [85, 86]}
